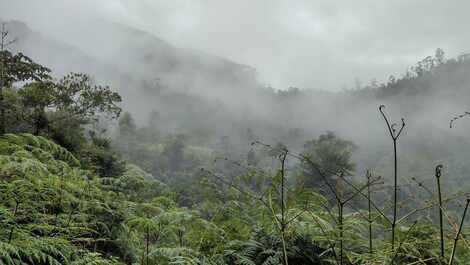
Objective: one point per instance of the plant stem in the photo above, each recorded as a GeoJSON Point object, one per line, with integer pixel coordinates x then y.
{"type": "Point", "coordinates": [402, 241]}
{"type": "Point", "coordinates": [282, 158]}
{"type": "Point", "coordinates": [441, 225]}
{"type": "Point", "coordinates": [458, 233]}
{"type": "Point", "coordinates": [340, 220]}
{"type": "Point", "coordinates": [394, 135]}
{"type": "Point", "coordinates": [369, 219]}
{"type": "Point", "coordinates": [394, 222]}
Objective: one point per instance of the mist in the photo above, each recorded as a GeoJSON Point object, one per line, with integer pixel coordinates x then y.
{"type": "Point", "coordinates": [161, 56]}
{"type": "Point", "coordinates": [286, 42]}
{"type": "Point", "coordinates": [211, 101]}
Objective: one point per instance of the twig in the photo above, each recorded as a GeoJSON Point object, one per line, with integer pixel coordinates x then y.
{"type": "Point", "coordinates": [458, 232]}
{"type": "Point", "coordinates": [458, 117]}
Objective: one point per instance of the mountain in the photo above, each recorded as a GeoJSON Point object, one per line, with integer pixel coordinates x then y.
{"type": "Point", "coordinates": [114, 48]}
{"type": "Point", "coordinates": [209, 97]}
{"type": "Point", "coordinates": [59, 56]}
{"type": "Point", "coordinates": [142, 67]}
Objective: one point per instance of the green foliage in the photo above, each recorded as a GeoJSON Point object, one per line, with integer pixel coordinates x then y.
{"type": "Point", "coordinates": [64, 200]}
{"type": "Point", "coordinates": [74, 96]}
{"type": "Point", "coordinates": [36, 145]}
{"type": "Point", "coordinates": [56, 109]}
{"type": "Point", "coordinates": [170, 159]}
{"type": "Point", "coordinates": [105, 163]}
{"type": "Point", "coordinates": [15, 68]}
{"type": "Point", "coordinates": [19, 67]}
{"type": "Point", "coordinates": [329, 151]}
{"type": "Point", "coordinates": [52, 212]}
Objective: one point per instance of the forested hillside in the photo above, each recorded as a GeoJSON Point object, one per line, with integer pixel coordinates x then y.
{"type": "Point", "coordinates": [163, 171]}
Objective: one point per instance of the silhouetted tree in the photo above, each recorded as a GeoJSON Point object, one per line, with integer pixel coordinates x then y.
{"type": "Point", "coordinates": [330, 152]}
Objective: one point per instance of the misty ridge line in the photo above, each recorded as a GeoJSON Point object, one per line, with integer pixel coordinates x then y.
{"type": "Point", "coordinates": [166, 79]}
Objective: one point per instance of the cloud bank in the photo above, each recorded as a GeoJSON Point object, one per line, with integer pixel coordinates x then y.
{"type": "Point", "coordinates": [309, 44]}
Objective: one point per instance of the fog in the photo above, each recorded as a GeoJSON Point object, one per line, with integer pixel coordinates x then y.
{"type": "Point", "coordinates": [234, 132]}
{"type": "Point", "coordinates": [284, 72]}
{"type": "Point", "coordinates": [307, 44]}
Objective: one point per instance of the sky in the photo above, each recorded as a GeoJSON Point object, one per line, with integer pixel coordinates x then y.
{"type": "Point", "coordinates": [311, 44]}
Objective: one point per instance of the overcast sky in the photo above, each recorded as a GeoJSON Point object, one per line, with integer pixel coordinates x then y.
{"type": "Point", "coordinates": [323, 44]}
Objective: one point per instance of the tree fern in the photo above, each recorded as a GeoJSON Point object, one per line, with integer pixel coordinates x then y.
{"type": "Point", "coordinates": [28, 141]}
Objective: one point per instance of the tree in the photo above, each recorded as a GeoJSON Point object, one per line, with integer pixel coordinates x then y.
{"type": "Point", "coordinates": [174, 152]}
{"type": "Point", "coordinates": [15, 68]}
{"type": "Point", "coordinates": [440, 57]}
{"type": "Point", "coordinates": [150, 133]}
{"type": "Point", "coordinates": [126, 125]}
{"type": "Point", "coordinates": [101, 159]}
{"type": "Point", "coordinates": [77, 96]}
{"type": "Point", "coordinates": [330, 152]}
{"type": "Point", "coordinates": [36, 98]}
{"type": "Point", "coordinates": [72, 97]}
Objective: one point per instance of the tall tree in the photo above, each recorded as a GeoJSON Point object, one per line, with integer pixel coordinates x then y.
{"type": "Point", "coordinates": [72, 97]}
{"type": "Point", "coordinates": [15, 68]}
{"type": "Point", "coordinates": [329, 151]}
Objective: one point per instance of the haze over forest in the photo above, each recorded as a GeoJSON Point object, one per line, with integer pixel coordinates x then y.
{"type": "Point", "coordinates": [231, 86]}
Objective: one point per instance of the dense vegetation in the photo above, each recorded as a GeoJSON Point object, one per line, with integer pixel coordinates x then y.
{"type": "Point", "coordinates": [74, 190]}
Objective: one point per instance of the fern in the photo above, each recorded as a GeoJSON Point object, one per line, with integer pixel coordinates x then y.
{"type": "Point", "coordinates": [177, 256]}
{"type": "Point", "coordinates": [30, 142]}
